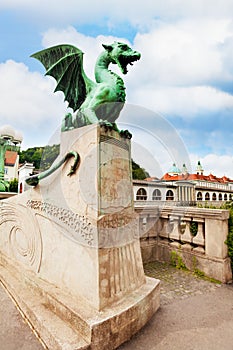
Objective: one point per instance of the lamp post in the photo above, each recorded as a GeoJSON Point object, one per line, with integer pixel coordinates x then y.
{"type": "Point", "coordinates": [9, 140]}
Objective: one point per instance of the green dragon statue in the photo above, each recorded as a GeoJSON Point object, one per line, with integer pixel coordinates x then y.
{"type": "Point", "coordinates": [93, 102]}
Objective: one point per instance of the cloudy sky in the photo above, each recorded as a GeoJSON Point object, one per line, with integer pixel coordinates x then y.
{"type": "Point", "coordinates": [179, 95]}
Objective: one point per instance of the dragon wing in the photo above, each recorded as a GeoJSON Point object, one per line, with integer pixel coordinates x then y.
{"type": "Point", "coordinates": [65, 64]}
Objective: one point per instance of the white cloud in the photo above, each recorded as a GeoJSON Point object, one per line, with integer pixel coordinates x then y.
{"type": "Point", "coordinates": [181, 65]}
{"type": "Point", "coordinates": [184, 53]}
{"type": "Point", "coordinates": [157, 161]}
{"type": "Point", "coordinates": [156, 144]}
{"type": "Point", "coordinates": [139, 13]}
{"type": "Point", "coordinates": [27, 101]}
{"type": "Point", "coordinates": [218, 165]}
{"type": "Point", "coordinates": [186, 102]}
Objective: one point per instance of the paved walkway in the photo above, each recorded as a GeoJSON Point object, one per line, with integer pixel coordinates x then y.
{"type": "Point", "coordinates": [15, 334]}
{"type": "Point", "coordinates": [178, 284]}
{"type": "Point", "coordinates": [195, 314]}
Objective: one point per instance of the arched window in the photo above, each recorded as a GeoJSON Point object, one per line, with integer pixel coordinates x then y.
{"type": "Point", "coordinates": [141, 195]}
{"type": "Point", "coordinates": [230, 197]}
{"type": "Point", "coordinates": [156, 196]}
{"type": "Point", "coordinates": [169, 195]}
{"type": "Point", "coordinates": [225, 197]}
{"type": "Point", "coordinates": [220, 197]}
{"type": "Point", "coordinates": [207, 196]}
{"type": "Point", "coordinates": [214, 197]}
{"type": "Point", "coordinates": [199, 196]}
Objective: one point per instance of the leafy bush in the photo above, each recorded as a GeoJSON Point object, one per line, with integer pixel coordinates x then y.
{"type": "Point", "coordinates": [193, 228]}
{"type": "Point", "coordinates": [229, 240]}
{"type": "Point", "coordinates": [177, 261]}
{"type": "Point", "coordinates": [13, 185]}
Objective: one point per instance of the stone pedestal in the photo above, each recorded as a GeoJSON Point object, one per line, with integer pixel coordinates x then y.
{"type": "Point", "coordinates": [70, 251]}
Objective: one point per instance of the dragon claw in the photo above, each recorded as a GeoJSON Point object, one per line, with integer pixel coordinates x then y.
{"type": "Point", "coordinates": [112, 126]}
{"type": "Point", "coordinates": [106, 125]}
{"type": "Point", "coordinates": [71, 172]}
{"type": "Point", "coordinates": [126, 134]}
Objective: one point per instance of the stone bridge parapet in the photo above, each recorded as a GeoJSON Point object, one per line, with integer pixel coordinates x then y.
{"type": "Point", "coordinates": [196, 235]}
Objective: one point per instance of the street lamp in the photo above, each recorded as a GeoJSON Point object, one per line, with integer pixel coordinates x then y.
{"type": "Point", "coordinates": [9, 140]}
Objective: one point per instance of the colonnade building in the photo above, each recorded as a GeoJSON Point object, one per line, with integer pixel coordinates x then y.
{"type": "Point", "coordinates": [181, 188]}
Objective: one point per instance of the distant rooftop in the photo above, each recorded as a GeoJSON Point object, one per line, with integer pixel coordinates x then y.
{"type": "Point", "coordinates": [193, 177]}
{"type": "Point", "coordinates": [174, 169]}
{"type": "Point", "coordinates": [10, 158]}
{"type": "Point", "coordinates": [175, 174]}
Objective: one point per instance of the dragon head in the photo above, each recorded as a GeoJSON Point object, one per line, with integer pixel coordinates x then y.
{"type": "Point", "coordinates": [122, 55]}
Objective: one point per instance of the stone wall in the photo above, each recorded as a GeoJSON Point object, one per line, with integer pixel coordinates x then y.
{"type": "Point", "coordinates": [197, 235]}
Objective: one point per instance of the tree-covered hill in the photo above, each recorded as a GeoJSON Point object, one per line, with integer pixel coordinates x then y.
{"type": "Point", "coordinates": [43, 157]}
{"type": "Point", "coordinates": [138, 172]}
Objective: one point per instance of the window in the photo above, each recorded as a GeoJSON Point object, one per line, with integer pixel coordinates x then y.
{"type": "Point", "coordinates": [214, 197]}
{"type": "Point", "coordinates": [230, 196]}
{"type": "Point", "coordinates": [225, 197]}
{"type": "Point", "coordinates": [141, 195]}
{"type": "Point", "coordinates": [207, 196]}
{"type": "Point", "coordinates": [156, 196]}
{"type": "Point", "coordinates": [6, 171]}
{"type": "Point", "coordinates": [220, 197]}
{"type": "Point", "coordinates": [199, 196]}
{"type": "Point", "coordinates": [169, 195]}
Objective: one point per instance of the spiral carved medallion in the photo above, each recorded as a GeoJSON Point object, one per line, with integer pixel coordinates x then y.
{"type": "Point", "coordinates": [19, 228]}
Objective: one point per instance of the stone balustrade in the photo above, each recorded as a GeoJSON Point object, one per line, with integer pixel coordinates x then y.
{"type": "Point", "coordinates": [196, 235]}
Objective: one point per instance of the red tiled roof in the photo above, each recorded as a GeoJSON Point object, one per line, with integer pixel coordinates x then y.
{"type": "Point", "coordinates": [168, 177]}
{"type": "Point", "coordinates": [151, 178]}
{"type": "Point", "coordinates": [10, 158]}
{"type": "Point", "coordinates": [211, 178]}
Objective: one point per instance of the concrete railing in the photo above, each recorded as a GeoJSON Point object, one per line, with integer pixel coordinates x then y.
{"type": "Point", "coordinates": [165, 203]}
{"type": "Point", "coordinates": [200, 204]}
{"type": "Point", "coordinates": [195, 235]}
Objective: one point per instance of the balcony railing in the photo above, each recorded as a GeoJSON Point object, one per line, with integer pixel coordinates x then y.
{"type": "Point", "coordinates": [197, 235]}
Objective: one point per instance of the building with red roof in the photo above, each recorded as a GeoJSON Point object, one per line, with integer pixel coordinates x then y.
{"type": "Point", "coordinates": [180, 187]}
{"type": "Point", "coordinates": [11, 165]}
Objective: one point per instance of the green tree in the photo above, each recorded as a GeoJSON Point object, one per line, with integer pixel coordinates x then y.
{"type": "Point", "coordinates": [50, 153]}
{"type": "Point", "coordinates": [36, 158]}
{"type": "Point", "coordinates": [13, 185]}
{"type": "Point", "coordinates": [138, 173]}
{"type": "Point", "coordinates": [41, 157]}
